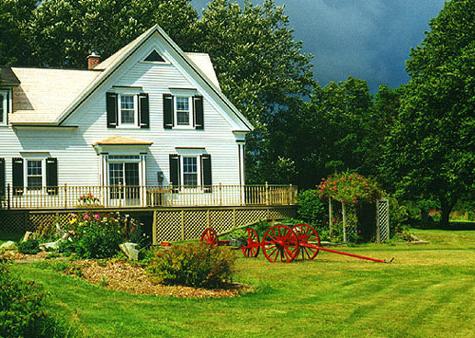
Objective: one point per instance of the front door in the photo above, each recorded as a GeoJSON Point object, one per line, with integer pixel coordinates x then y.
{"type": "Point", "coordinates": [124, 182]}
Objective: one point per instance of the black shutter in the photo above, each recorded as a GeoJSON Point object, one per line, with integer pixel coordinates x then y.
{"type": "Point", "coordinates": [206, 176]}
{"type": "Point", "coordinates": [167, 111]}
{"type": "Point", "coordinates": [112, 110]}
{"type": "Point", "coordinates": [175, 170]}
{"type": "Point", "coordinates": [198, 112]}
{"type": "Point", "coordinates": [2, 178]}
{"type": "Point", "coordinates": [144, 111]}
{"type": "Point", "coordinates": [17, 179]}
{"type": "Point", "coordinates": [52, 176]}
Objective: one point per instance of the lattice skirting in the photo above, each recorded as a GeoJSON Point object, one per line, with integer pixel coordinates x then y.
{"type": "Point", "coordinates": [188, 223]}
{"type": "Point", "coordinates": [17, 222]}
{"type": "Point", "coordinates": [173, 224]}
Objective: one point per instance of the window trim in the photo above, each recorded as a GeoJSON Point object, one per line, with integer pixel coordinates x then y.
{"type": "Point", "coordinates": [133, 125]}
{"type": "Point", "coordinates": [42, 190]}
{"type": "Point", "coordinates": [5, 105]}
{"type": "Point", "coordinates": [198, 171]}
{"type": "Point", "coordinates": [190, 112]}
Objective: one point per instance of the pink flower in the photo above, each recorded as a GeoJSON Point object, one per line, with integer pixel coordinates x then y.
{"type": "Point", "coordinates": [86, 217]}
{"type": "Point", "coordinates": [97, 217]}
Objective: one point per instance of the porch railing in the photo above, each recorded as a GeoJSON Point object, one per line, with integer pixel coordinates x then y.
{"type": "Point", "coordinates": [72, 197]}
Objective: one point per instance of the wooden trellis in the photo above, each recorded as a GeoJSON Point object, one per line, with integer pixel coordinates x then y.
{"type": "Point", "coordinates": [382, 220]}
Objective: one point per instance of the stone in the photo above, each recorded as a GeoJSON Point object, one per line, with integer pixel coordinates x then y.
{"type": "Point", "coordinates": [51, 246]}
{"type": "Point", "coordinates": [130, 250]}
{"type": "Point", "coordinates": [28, 235]}
{"type": "Point", "coordinates": [8, 246]}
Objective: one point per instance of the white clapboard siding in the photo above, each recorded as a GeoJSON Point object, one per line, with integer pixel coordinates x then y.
{"type": "Point", "coordinates": [78, 162]}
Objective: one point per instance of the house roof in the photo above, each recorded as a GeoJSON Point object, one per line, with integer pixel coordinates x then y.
{"type": "Point", "coordinates": [82, 86]}
{"type": "Point", "coordinates": [8, 77]}
{"type": "Point", "coordinates": [122, 140]}
{"type": "Point", "coordinates": [44, 94]}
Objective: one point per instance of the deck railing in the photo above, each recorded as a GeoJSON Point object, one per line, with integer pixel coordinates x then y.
{"type": "Point", "coordinates": [72, 197]}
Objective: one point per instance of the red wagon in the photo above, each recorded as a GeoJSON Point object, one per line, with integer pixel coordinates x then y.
{"type": "Point", "coordinates": [283, 243]}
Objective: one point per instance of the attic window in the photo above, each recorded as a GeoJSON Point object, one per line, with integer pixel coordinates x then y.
{"type": "Point", "coordinates": [154, 57]}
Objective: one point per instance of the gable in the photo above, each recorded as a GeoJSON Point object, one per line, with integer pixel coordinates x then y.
{"type": "Point", "coordinates": [120, 61]}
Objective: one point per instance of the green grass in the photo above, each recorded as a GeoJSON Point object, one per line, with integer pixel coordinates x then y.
{"type": "Point", "coordinates": [428, 291]}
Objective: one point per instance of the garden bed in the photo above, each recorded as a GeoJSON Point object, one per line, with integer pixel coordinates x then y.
{"type": "Point", "coordinates": [122, 276]}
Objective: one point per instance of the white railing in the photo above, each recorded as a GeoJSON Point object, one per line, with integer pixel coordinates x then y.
{"type": "Point", "coordinates": [72, 197]}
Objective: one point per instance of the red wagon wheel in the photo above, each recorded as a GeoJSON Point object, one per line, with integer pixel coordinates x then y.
{"type": "Point", "coordinates": [209, 236]}
{"type": "Point", "coordinates": [252, 247]}
{"type": "Point", "coordinates": [280, 242]}
{"type": "Point", "coordinates": [307, 235]}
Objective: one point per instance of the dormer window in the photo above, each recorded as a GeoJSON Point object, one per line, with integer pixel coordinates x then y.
{"type": "Point", "coordinates": [4, 106]}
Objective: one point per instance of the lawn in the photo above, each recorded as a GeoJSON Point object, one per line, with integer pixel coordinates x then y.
{"type": "Point", "coordinates": [428, 291]}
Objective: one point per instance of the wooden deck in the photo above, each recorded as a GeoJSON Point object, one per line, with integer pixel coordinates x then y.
{"type": "Point", "coordinates": [70, 197]}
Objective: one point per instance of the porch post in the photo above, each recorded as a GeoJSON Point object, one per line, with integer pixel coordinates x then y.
{"type": "Point", "coordinates": [8, 196]}
{"type": "Point", "coordinates": [343, 210]}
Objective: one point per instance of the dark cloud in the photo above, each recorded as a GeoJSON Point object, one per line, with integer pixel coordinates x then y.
{"type": "Point", "coordinates": [368, 39]}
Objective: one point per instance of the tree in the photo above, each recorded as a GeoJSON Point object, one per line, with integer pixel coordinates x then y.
{"type": "Point", "coordinates": [261, 68]}
{"type": "Point", "coordinates": [14, 18]}
{"type": "Point", "coordinates": [330, 132]}
{"type": "Point", "coordinates": [64, 32]}
{"type": "Point", "coordinates": [430, 151]}
{"type": "Point", "coordinates": [381, 118]}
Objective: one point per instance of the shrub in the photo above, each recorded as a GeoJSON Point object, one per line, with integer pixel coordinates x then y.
{"type": "Point", "coordinates": [311, 208]}
{"type": "Point", "coordinates": [22, 309]}
{"type": "Point", "coordinates": [99, 236]}
{"type": "Point", "coordinates": [197, 265]}
{"type": "Point", "coordinates": [29, 247]}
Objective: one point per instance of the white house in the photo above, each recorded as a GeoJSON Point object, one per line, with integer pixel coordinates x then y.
{"type": "Point", "coordinates": [122, 132]}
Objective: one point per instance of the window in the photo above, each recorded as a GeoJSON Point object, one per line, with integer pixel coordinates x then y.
{"type": "Point", "coordinates": [154, 57]}
{"type": "Point", "coordinates": [127, 111]}
{"type": "Point", "coordinates": [34, 174]}
{"type": "Point", "coordinates": [190, 171]}
{"type": "Point", "coordinates": [182, 108]}
{"type": "Point", "coordinates": [3, 106]}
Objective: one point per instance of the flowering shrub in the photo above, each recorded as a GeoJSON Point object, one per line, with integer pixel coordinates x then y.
{"type": "Point", "coordinates": [99, 236]}
{"type": "Point", "coordinates": [197, 265]}
{"type": "Point", "coordinates": [349, 188]}
{"type": "Point", "coordinates": [87, 200]}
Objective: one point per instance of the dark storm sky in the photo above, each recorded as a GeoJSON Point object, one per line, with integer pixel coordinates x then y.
{"type": "Point", "coordinates": [367, 39]}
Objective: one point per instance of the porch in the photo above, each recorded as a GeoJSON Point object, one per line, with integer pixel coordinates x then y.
{"type": "Point", "coordinates": [133, 197]}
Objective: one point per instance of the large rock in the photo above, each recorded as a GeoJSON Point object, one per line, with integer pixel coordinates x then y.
{"type": "Point", "coordinates": [130, 250]}
{"type": "Point", "coordinates": [51, 246]}
{"type": "Point", "coordinates": [8, 246]}
{"type": "Point", "coordinates": [28, 235]}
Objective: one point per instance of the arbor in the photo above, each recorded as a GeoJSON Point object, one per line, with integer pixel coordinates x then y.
{"type": "Point", "coordinates": [14, 18]}
{"type": "Point", "coordinates": [262, 70]}
{"type": "Point", "coordinates": [430, 151]}
{"type": "Point", "coordinates": [64, 32]}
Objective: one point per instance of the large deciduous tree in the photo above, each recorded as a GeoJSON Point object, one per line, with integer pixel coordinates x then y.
{"type": "Point", "coordinates": [15, 15]}
{"type": "Point", "coordinates": [431, 149]}
{"type": "Point", "coordinates": [261, 69]}
{"type": "Point", "coordinates": [64, 32]}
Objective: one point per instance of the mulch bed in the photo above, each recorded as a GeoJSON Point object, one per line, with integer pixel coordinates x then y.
{"type": "Point", "coordinates": [122, 276]}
